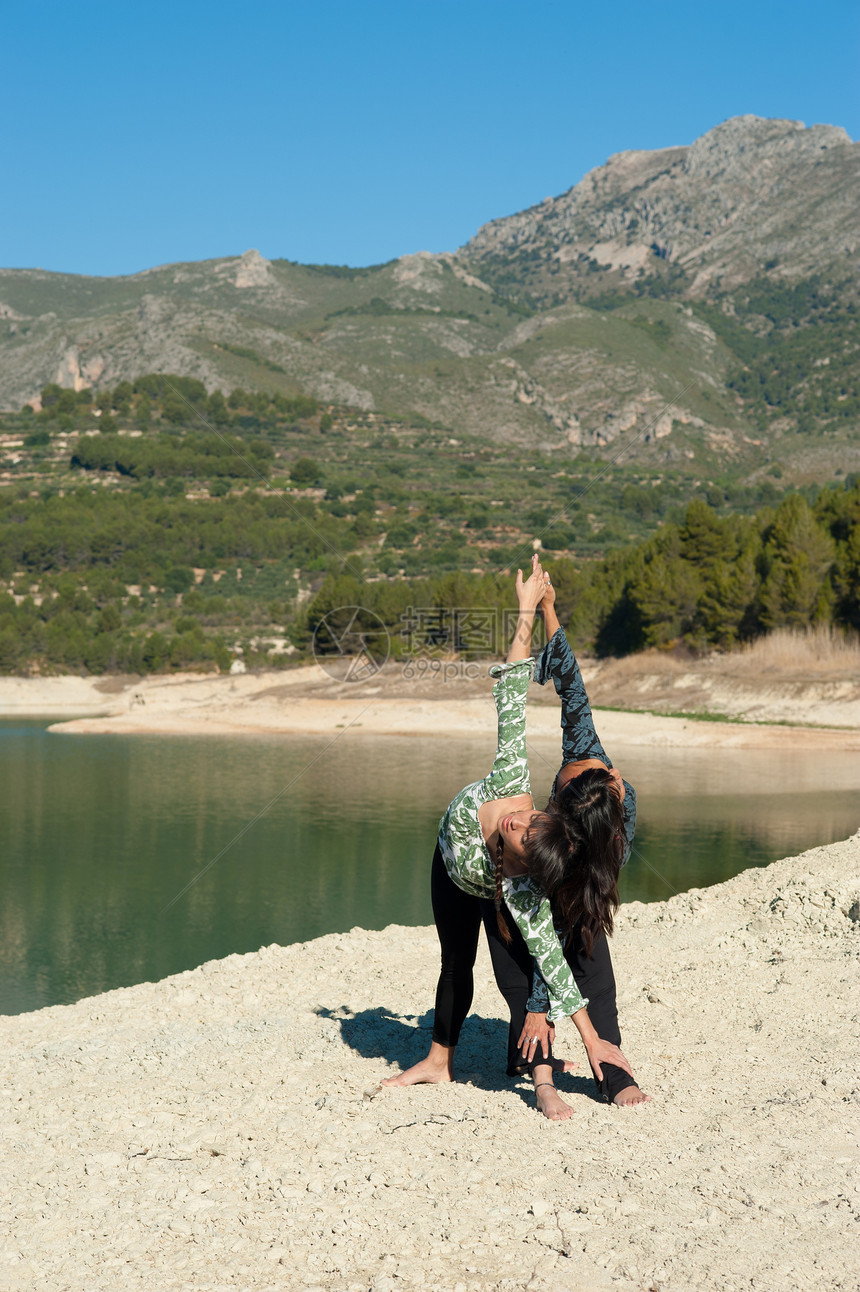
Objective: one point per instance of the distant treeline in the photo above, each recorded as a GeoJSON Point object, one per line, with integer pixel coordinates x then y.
{"type": "Point", "coordinates": [106, 581]}
{"type": "Point", "coordinates": [171, 400]}
{"type": "Point", "coordinates": [715, 581]}
{"type": "Point", "coordinates": [196, 457]}
{"type": "Point", "coordinates": [147, 544]}
{"type": "Point", "coordinates": [709, 582]}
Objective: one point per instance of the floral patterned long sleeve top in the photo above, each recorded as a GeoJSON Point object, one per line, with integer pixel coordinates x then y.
{"type": "Point", "coordinates": [465, 853]}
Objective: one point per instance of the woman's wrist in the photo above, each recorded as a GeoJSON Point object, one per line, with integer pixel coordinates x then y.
{"type": "Point", "coordinates": [585, 1027]}
{"type": "Point", "coordinates": [550, 621]}
{"type": "Point", "coordinates": [522, 642]}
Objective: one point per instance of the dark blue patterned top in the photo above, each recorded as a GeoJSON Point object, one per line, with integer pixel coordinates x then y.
{"type": "Point", "coordinates": [579, 740]}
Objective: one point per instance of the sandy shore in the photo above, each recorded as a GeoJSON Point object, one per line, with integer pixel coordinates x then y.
{"type": "Point", "coordinates": [308, 701]}
{"type": "Point", "coordinates": [224, 1128]}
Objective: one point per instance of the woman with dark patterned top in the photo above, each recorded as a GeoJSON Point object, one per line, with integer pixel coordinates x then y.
{"type": "Point", "coordinates": [531, 1029]}
{"type": "Point", "coordinates": [493, 844]}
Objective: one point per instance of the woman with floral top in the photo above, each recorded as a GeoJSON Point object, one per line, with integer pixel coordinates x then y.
{"type": "Point", "coordinates": [493, 844]}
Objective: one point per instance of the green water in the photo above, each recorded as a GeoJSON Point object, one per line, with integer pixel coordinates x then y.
{"type": "Point", "coordinates": [283, 839]}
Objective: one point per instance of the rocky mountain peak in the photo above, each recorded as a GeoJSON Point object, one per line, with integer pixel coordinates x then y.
{"type": "Point", "coordinates": [725, 147]}
{"type": "Point", "coordinates": [250, 270]}
{"type": "Point", "coordinates": [720, 208]}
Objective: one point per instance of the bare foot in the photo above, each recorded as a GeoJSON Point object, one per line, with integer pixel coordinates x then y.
{"type": "Point", "coordinates": [437, 1067]}
{"type": "Point", "coordinates": [631, 1095]}
{"type": "Point", "coordinates": [551, 1104]}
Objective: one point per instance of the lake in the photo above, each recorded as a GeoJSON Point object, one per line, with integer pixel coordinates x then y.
{"type": "Point", "coordinates": [125, 859]}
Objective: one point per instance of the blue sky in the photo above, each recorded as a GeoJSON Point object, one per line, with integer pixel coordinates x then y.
{"type": "Point", "coordinates": [352, 132]}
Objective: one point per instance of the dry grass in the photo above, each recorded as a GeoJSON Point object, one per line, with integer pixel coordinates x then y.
{"type": "Point", "coordinates": [807, 652]}
{"type": "Point", "coordinates": [669, 681]}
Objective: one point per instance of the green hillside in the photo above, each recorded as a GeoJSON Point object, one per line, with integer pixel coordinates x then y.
{"type": "Point", "coordinates": [160, 527]}
{"type": "Point", "coordinates": [727, 382]}
{"type": "Point", "coordinates": [679, 330]}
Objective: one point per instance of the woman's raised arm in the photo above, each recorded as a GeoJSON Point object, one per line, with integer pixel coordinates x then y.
{"type": "Point", "coordinates": [509, 774]}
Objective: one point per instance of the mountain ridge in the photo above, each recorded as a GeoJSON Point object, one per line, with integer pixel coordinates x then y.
{"type": "Point", "coordinates": [565, 326]}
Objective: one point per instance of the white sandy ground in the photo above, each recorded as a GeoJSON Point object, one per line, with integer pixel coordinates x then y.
{"type": "Point", "coordinates": [220, 1130]}
{"type": "Point", "coordinates": [307, 701]}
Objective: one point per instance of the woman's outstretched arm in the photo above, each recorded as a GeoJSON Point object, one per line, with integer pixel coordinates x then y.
{"type": "Point", "coordinates": [532, 914]}
{"type": "Point", "coordinates": [509, 774]}
{"type": "Point", "coordinates": [557, 661]}
{"type": "Point", "coordinates": [579, 740]}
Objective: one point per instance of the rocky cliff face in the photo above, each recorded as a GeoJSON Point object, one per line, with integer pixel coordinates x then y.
{"type": "Point", "coordinates": [750, 193]}
{"type": "Point", "coordinates": [503, 340]}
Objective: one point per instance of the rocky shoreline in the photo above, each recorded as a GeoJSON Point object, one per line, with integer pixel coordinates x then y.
{"type": "Point", "coordinates": [225, 1129]}
{"type": "Point", "coordinates": [640, 702]}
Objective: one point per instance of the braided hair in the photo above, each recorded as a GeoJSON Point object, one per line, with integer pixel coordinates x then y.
{"type": "Point", "coordinates": [504, 931]}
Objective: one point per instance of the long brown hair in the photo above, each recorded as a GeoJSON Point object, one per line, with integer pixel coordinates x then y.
{"type": "Point", "coordinates": [574, 853]}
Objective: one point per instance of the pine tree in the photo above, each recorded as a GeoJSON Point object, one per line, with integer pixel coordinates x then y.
{"type": "Point", "coordinates": [706, 540]}
{"type": "Point", "coordinates": [726, 610]}
{"type": "Point", "coordinates": [796, 562]}
{"type": "Point", "coordinates": [665, 592]}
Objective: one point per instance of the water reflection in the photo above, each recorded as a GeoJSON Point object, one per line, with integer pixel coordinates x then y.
{"type": "Point", "coordinates": [100, 833]}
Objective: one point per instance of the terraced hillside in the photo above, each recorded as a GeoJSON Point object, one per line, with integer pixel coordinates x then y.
{"type": "Point", "coordinates": [694, 305]}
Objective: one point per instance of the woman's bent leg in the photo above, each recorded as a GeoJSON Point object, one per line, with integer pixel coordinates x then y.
{"type": "Point", "coordinates": [512, 968]}
{"type": "Point", "coordinates": [595, 978]}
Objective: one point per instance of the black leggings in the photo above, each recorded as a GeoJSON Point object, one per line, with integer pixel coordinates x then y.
{"type": "Point", "coordinates": [458, 918]}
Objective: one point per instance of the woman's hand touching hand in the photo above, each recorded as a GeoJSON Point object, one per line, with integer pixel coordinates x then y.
{"type": "Point", "coordinates": [536, 1032]}
{"type": "Point", "coordinates": [547, 609]}
{"type": "Point", "coordinates": [530, 591]}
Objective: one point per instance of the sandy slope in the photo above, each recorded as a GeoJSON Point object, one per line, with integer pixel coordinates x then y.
{"type": "Point", "coordinates": [214, 1130]}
